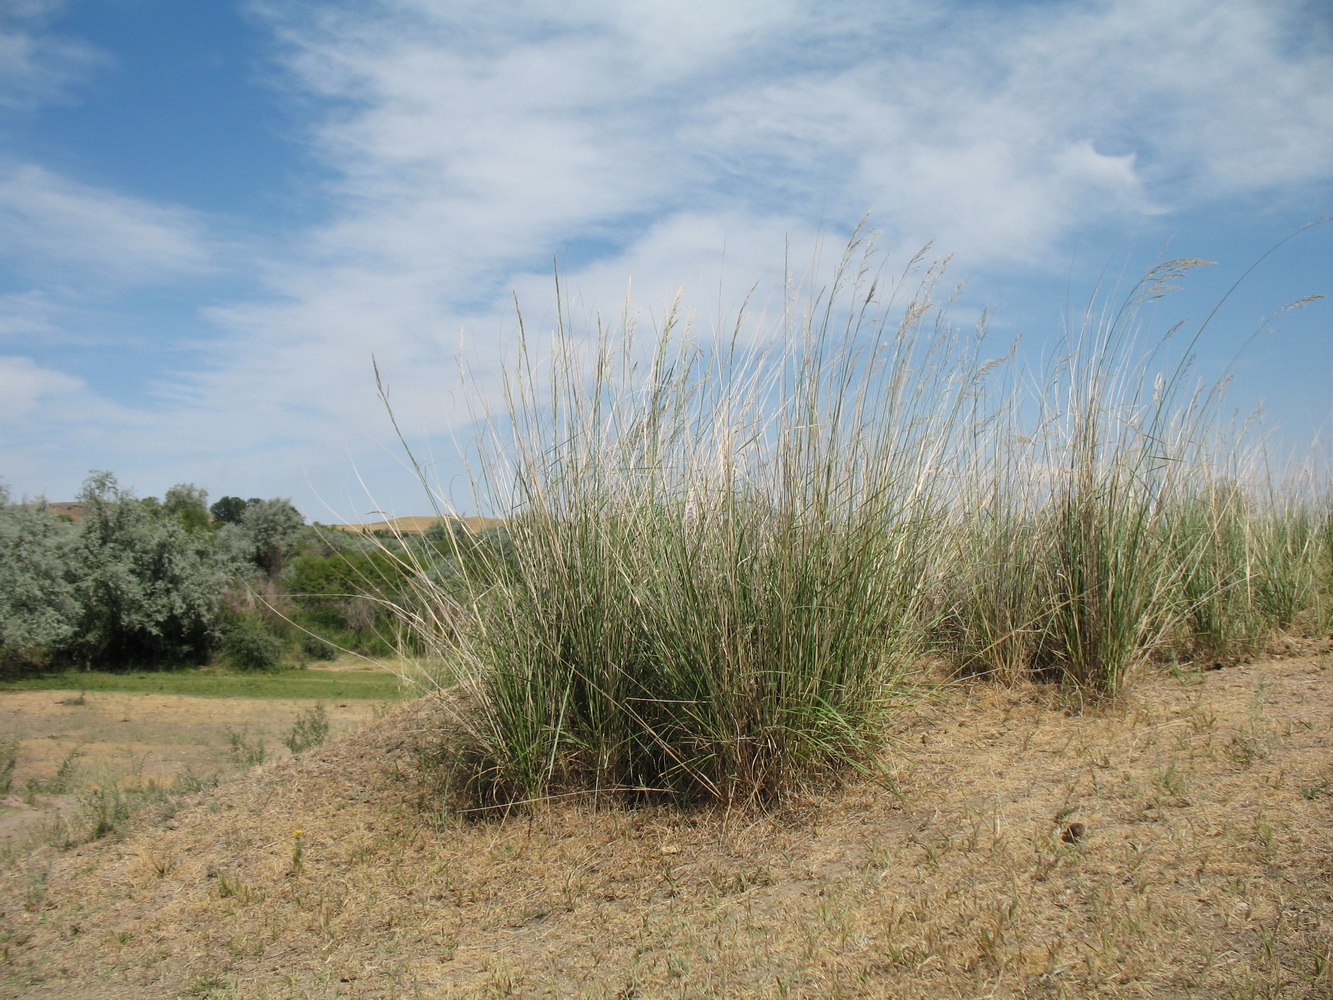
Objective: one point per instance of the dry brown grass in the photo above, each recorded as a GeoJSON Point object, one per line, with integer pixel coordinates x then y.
{"type": "Point", "coordinates": [1204, 870]}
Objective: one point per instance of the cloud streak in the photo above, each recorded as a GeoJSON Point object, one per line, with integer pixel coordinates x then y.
{"type": "Point", "coordinates": [24, 385]}
{"type": "Point", "coordinates": [51, 222]}
{"type": "Point", "coordinates": [37, 67]}
{"type": "Point", "coordinates": [467, 145]}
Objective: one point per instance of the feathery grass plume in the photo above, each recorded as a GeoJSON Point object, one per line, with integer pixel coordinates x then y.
{"type": "Point", "coordinates": [720, 553]}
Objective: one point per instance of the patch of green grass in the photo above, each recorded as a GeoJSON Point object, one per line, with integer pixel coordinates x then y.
{"type": "Point", "coordinates": [317, 685]}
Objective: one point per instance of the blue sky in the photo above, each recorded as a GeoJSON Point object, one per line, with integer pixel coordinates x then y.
{"type": "Point", "coordinates": [213, 215]}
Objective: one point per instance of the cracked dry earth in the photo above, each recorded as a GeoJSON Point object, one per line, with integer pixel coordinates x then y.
{"type": "Point", "coordinates": [1178, 844]}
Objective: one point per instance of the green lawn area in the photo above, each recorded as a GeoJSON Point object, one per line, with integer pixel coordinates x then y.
{"type": "Point", "coordinates": [315, 684]}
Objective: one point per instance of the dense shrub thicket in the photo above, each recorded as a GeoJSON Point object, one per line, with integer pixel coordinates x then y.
{"type": "Point", "coordinates": [145, 582]}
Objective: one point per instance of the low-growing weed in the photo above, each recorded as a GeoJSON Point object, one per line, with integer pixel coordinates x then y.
{"type": "Point", "coordinates": [59, 783]}
{"type": "Point", "coordinates": [9, 754]}
{"type": "Point", "coordinates": [1315, 789]}
{"type": "Point", "coordinates": [228, 888]}
{"type": "Point", "coordinates": [244, 750]}
{"type": "Point", "coordinates": [1171, 783]}
{"type": "Point", "coordinates": [106, 808]}
{"type": "Point", "coordinates": [310, 730]}
{"type": "Point", "coordinates": [207, 986]}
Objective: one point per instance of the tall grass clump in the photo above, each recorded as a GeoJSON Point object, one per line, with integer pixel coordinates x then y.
{"type": "Point", "coordinates": [723, 551]}
{"type": "Point", "coordinates": [722, 555]}
{"type": "Point", "coordinates": [1125, 442]}
{"type": "Point", "coordinates": [1212, 548]}
{"type": "Point", "coordinates": [1286, 547]}
{"type": "Point", "coordinates": [1096, 533]}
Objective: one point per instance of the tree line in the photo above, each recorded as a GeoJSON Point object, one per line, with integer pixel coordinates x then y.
{"type": "Point", "coordinates": [141, 582]}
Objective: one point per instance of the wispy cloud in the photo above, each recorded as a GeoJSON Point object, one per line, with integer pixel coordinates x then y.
{"type": "Point", "coordinates": [36, 66]}
{"type": "Point", "coordinates": [51, 222]}
{"type": "Point", "coordinates": [997, 132]}
{"type": "Point", "coordinates": [24, 384]}
{"type": "Point", "coordinates": [466, 144]}
{"type": "Point", "coordinates": [667, 142]}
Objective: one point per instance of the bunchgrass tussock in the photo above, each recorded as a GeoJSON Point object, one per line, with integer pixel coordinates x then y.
{"type": "Point", "coordinates": [1113, 517]}
{"type": "Point", "coordinates": [723, 556]}
{"type": "Point", "coordinates": [721, 551]}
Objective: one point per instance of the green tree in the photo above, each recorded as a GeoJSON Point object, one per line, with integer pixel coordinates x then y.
{"type": "Point", "coordinates": [188, 504]}
{"type": "Point", "coordinates": [228, 510]}
{"type": "Point", "coordinates": [38, 606]}
{"type": "Point", "coordinates": [146, 592]}
{"type": "Point", "coordinates": [274, 527]}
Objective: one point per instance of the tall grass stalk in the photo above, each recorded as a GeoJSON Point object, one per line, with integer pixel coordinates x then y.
{"type": "Point", "coordinates": [1119, 437]}
{"type": "Point", "coordinates": [1212, 548]}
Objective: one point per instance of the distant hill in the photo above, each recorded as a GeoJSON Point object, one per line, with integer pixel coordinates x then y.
{"type": "Point", "coordinates": [72, 509]}
{"type": "Point", "coordinates": [418, 525]}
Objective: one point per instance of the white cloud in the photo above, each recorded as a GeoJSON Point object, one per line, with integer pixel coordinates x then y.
{"type": "Point", "coordinates": [24, 385]}
{"type": "Point", "coordinates": [670, 143]}
{"type": "Point", "coordinates": [469, 143]}
{"type": "Point", "coordinates": [999, 133]}
{"type": "Point", "coordinates": [1217, 97]}
{"type": "Point", "coordinates": [37, 67]}
{"type": "Point", "coordinates": [50, 220]}
{"type": "Point", "coordinates": [1005, 133]}
{"type": "Point", "coordinates": [28, 316]}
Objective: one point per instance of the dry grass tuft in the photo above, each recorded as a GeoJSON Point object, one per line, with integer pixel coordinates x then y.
{"type": "Point", "coordinates": [1203, 869]}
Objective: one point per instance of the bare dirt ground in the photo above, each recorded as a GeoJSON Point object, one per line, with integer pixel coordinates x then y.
{"type": "Point", "coordinates": [1179, 844]}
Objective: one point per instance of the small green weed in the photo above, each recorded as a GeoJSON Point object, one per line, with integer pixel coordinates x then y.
{"type": "Point", "coordinates": [58, 784]}
{"type": "Point", "coordinates": [245, 750]}
{"type": "Point", "coordinates": [1314, 790]}
{"type": "Point", "coordinates": [1247, 748]}
{"type": "Point", "coordinates": [9, 755]}
{"type": "Point", "coordinates": [310, 730]}
{"type": "Point", "coordinates": [235, 889]}
{"type": "Point", "coordinates": [1171, 783]}
{"type": "Point", "coordinates": [106, 809]}
{"type": "Point", "coordinates": [207, 986]}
